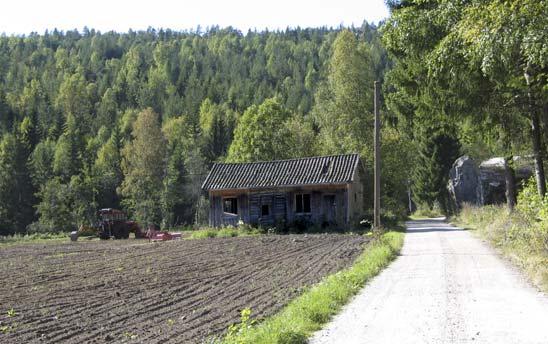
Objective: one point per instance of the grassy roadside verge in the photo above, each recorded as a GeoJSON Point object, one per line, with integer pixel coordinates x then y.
{"type": "Point", "coordinates": [307, 313]}
{"type": "Point", "coordinates": [522, 240]}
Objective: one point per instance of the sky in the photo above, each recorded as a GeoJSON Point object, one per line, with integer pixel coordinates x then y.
{"type": "Point", "coordinates": [25, 16]}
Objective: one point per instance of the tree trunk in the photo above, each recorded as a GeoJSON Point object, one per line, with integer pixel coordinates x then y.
{"type": "Point", "coordinates": [510, 179]}
{"type": "Point", "coordinates": [544, 130]}
{"type": "Point", "coordinates": [537, 154]}
{"type": "Point", "coordinates": [535, 133]}
{"type": "Point", "coordinates": [544, 119]}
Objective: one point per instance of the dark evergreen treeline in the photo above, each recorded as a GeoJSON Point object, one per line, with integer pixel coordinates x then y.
{"type": "Point", "coordinates": [134, 120]}
{"type": "Point", "coordinates": [170, 72]}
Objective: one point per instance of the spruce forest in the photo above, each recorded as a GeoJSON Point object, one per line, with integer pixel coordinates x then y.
{"type": "Point", "coordinates": [135, 120]}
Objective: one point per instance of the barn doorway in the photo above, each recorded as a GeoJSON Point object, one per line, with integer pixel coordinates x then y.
{"type": "Point", "coordinates": [329, 209]}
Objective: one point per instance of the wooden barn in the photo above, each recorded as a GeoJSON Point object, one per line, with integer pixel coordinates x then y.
{"type": "Point", "coordinates": [323, 190]}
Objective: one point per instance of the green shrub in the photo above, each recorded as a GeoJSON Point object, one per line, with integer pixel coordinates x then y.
{"type": "Point", "coordinates": [228, 232]}
{"type": "Point", "coordinates": [39, 228]}
{"type": "Point", "coordinates": [534, 216]}
{"type": "Point", "coordinates": [225, 232]}
{"type": "Point", "coordinates": [204, 233]}
{"type": "Point", "coordinates": [235, 331]}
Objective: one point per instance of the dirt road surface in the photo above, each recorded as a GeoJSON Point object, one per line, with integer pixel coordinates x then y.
{"type": "Point", "coordinates": [446, 287]}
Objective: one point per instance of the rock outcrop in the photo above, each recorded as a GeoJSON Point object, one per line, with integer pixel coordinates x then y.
{"type": "Point", "coordinates": [485, 184]}
{"type": "Point", "coordinates": [464, 182]}
{"type": "Point", "coordinates": [493, 183]}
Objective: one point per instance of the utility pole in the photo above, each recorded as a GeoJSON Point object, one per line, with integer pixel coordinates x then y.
{"type": "Point", "coordinates": [410, 203]}
{"type": "Point", "coordinates": [377, 204]}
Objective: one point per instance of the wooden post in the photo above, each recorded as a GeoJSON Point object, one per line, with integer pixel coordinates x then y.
{"type": "Point", "coordinates": [377, 143]}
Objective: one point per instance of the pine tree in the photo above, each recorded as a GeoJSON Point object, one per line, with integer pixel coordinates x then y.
{"type": "Point", "coordinates": [217, 123]}
{"type": "Point", "coordinates": [68, 152]}
{"type": "Point", "coordinates": [437, 150]}
{"type": "Point", "coordinates": [25, 190]}
{"type": "Point", "coordinates": [17, 194]}
{"type": "Point", "coordinates": [41, 163]}
{"type": "Point", "coordinates": [8, 146]}
{"type": "Point", "coordinates": [186, 168]}
{"type": "Point", "coordinates": [107, 171]}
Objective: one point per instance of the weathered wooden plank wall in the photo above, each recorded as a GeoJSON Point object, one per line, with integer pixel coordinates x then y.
{"type": "Point", "coordinates": [355, 198]}
{"type": "Point", "coordinates": [281, 206]}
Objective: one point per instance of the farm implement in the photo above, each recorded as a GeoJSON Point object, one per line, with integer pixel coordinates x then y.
{"type": "Point", "coordinates": [113, 223]}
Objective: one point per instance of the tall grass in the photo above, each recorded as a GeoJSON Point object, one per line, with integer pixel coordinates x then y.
{"type": "Point", "coordinates": [521, 235]}
{"type": "Point", "coordinates": [306, 314]}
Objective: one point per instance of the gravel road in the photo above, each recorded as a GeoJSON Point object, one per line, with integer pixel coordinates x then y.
{"type": "Point", "coordinates": [447, 286]}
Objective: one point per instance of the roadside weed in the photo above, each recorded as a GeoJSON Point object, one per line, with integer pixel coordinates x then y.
{"type": "Point", "coordinates": [237, 331]}
{"type": "Point", "coordinates": [129, 335]}
{"type": "Point", "coordinates": [11, 313]}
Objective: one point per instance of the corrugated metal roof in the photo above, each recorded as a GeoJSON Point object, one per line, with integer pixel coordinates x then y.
{"type": "Point", "coordinates": [334, 169]}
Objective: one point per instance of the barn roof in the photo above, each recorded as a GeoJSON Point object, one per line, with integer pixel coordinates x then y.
{"type": "Point", "coordinates": [319, 170]}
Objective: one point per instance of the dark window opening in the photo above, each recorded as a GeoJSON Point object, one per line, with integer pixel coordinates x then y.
{"type": "Point", "coordinates": [230, 205]}
{"type": "Point", "coordinates": [265, 210]}
{"type": "Point", "coordinates": [302, 203]}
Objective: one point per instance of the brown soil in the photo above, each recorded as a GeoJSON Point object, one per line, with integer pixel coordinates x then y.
{"type": "Point", "coordinates": [168, 292]}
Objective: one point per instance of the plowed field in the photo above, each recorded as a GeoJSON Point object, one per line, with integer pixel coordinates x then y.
{"type": "Point", "coordinates": [171, 292]}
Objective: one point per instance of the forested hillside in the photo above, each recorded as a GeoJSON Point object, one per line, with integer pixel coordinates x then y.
{"type": "Point", "coordinates": [134, 120]}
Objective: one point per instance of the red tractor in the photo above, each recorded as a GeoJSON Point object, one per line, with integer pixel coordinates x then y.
{"type": "Point", "coordinates": [113, 223]}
